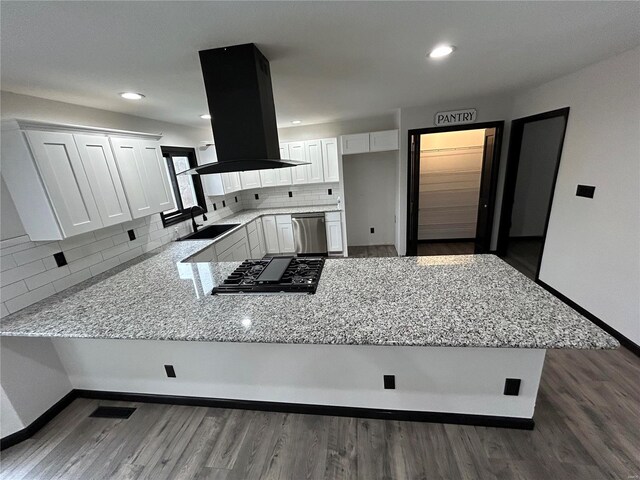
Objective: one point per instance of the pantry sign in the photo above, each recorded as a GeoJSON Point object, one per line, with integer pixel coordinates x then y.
{"type": "Point", "coordinates": [456, 117]}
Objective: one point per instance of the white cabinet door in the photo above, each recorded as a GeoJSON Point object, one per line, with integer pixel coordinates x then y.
{"type": "Point", "coordinates": [144, 176]}
{"type": "Point", "coordinates": [262, 248]}
{"type": "Point", "coordinates": [283, 176]}
{"type": "Point", "coordinates": [268, 177]}
{"type": "Point", "coordinates": [334, 236]}
{"type": "Point", "coordinates": [270, 234]}
{"type": "Point", "coordinates": [157, 176]}
{"type": "Point", "coordinates": [104, 178]}
{"type": "Point", "coordinates": [226, 256]}
{"type": "Point", "coordinates": [285, 234]}
{"type": "Point", "coordinates": [299, 175]}
{"type": "Point", "coordinates": [383, 141]}
{"type": "Point", "coordinates": [358, 143]}
{"type": "Point", "coordinates": [250, 179]}
{"type": "Point", "coordinates": [66, 181]}
{"type": "Point", "coordinates": [313, 152]}
{"type": "Point", "coordinates": [241, 251]}
{"type": "Point", "coordinates": [212, 183]}
{"type": "Point", "coordinates": [330, 164]}
{"type": "Point", "coordinates": [231, 182]}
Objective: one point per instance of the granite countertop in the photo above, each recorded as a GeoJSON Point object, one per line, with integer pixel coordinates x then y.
{"type": "Point", "coordinates": [456, 301]}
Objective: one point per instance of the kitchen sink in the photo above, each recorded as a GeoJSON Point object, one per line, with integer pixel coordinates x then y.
{"type": "Point", "coordinates": [207, 233]}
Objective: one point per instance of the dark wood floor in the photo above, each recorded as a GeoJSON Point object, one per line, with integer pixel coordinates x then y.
{"type": "Point", "coordinates": [587, 428]}
{"type": "Point", "coordinates": [446, 248]}
{"type": "Point", "coordinates": [373, 251]}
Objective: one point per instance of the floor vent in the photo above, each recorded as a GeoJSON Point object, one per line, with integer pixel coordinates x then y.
{"type": "Point", "coordinates": [113, 412]}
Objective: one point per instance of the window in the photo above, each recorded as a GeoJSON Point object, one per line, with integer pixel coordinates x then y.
{"type": "Point", "coordinates": [187, 189]}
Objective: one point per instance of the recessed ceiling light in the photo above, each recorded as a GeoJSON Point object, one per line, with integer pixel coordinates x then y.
{"type": "Point", "coordinates": [132, 95]}
{"type": "Point", "coordinates": [442, 51]}
{"type": "Point", "coordinates": [296, 122]}
{"type": "Point", "coordinates": [206, 116]}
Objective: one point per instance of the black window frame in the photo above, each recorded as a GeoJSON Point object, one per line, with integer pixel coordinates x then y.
{"type": "Point", "coordinates": [182, 214]}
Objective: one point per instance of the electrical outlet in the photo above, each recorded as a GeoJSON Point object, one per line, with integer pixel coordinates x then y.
{"type": "Point", "coordinates": [132, 234]}
{"type": "Point", "coordinates": [171, 373]}
{"type": "Point", "coordinates": [60, 259]}
{"type": "Point", "coordinates": [290, 194]}
{"type": "Point", "coordinates": [330, 192]}
{"type": "Point", "coordinates": [373, 230]}
{"type": "Point", "coordinates": [389, 382]}
{"type": "Point", "coordinates": [512, 386]}
{"type": "Point", "coordinates": [257, 197]}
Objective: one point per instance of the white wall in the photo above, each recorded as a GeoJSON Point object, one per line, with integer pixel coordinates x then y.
{"type": "Point", "coordinates": [492, 108]}
{"type": "Point", "coordinates": [538, 159]}
{"type": "Point", "coordinates": [439, 379]}
{"type": "Point", "coordinates": [33, 380]}
{"type": "Point", "coordinates": [370, 180]}
{"type": "Point", "coordinates": [592, 252]}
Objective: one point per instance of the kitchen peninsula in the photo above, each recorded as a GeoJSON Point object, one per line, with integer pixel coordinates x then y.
{"type": "Point", "coordinates": [442, 334]}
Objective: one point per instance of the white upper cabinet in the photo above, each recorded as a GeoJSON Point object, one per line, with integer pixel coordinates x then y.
{"type": "Point", "coordinates": [104, 179]}
{"type": "Point", "coordinates": [330, 165]}
{"type": "Point", "coordinates": [144, 176]}
{"type": "Point", "coordinates": [358, 143]}
{"type": "Point", "coordinates": [383, 141]}
{"type": "Point", "coordinates": [69, 179]}
{"type": "Point", "coordinates": [300, 174]}
{"type": "Point", "coordinates": [65, 181]}
{"type": "Point", "coordinates": [231, 182]}
{"type": "Point", "coordinates": [211, 183]}
{"type": "Point", "coordinates": [370, 142]}
{"type": "Point", "coordinates": [313, 152]}
{"type": "Point", "coordinates": [250, 179]}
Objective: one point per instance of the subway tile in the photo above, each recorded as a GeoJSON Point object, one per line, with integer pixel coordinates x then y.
{"type": "Point", "coordinates": [133, 253]}
{"type": "Point", "coordinates": [36, 253]}
{"type": "Point", "coordinates": [108, 231]}
{"type": "Point", "coordinates": [77, 241]}
{"type": "Point", "coordinates": [86, 250]}
{"type": "Point", "coordinates": [17, 248]}
{"type": "Point", "coordinates": [138, 222]}
{"type": "Point", "coordinates": [104, 266]}
{"type": "Point", "coordinates": [120, 238]}
{"type": "Point", "coordinates": [13, 290]}
{"type": "Point", "coordinates": [29, 298]}
{"type": "Point", "coordinates": [3, 310]}
{"type": "Point", "coordinates": [7, 262]}
{"type": "Point", "coordinates": [50, 262]}
{"type": "Point", "coordinates": [10, 242]}
{"type": "Point", "coordinates": [70, 280]}
{"type": "Point", "coordinates": [114, 251]}
{"type": "Point", "coordinates": [49, 276]}
{"type": "Point", "coordinates": [86, 262]}
{"type": "Point", "coordinates": [22, 272]}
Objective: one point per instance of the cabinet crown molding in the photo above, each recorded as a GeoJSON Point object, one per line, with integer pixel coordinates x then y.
{"type": "Point", "coordinates": [23, 124]}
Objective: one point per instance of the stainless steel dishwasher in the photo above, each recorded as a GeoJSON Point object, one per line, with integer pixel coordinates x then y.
{"type": "Point", "coordinates": [309, 233]}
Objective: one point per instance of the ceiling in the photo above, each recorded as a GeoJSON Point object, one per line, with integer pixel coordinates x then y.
{"type": "Point", "coordinates": [329, 60]}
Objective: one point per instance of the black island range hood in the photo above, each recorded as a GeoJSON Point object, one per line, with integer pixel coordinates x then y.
{"type": "Point", "coordinates": [237, 81]}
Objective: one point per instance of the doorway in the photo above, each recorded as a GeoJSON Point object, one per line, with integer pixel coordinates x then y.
{"type": "Point", "coordinates": [535, 148]}
{"type": "Point", "coordinates": [451, 188]}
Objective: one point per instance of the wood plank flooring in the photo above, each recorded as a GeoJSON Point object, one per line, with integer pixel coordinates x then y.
{"type": "Point", "coordinates": [587, 428]}
{"type": "Point", "coordinates": [373, 251]}
{"type": "Point", "coordinates": [446, 248]}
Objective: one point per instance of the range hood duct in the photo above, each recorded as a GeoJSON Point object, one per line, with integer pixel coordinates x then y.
{"type": "Point", "coordinates": [237, 81]}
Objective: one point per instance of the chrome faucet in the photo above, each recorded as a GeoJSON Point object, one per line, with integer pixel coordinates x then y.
{"type": "Point", "coordinates": [193, 220]}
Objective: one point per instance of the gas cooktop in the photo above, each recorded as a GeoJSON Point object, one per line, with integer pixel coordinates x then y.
{"type": "Point", "coordinates": [273, 275]}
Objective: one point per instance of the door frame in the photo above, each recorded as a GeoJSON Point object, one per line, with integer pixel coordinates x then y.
{"type": "Point", "coordinates": [511, 176]}
{"type": "Point", "coordinates": [413, 180]}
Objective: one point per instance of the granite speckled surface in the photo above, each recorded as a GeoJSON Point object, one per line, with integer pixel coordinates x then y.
{"type": "Point", "coordinates": [458, 301]}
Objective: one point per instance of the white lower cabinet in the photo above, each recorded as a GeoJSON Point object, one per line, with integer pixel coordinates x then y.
{"type": "Point", "coordinates": [285, 234]}
{"type": "Point", "coordinates": [270, 234]}
{"type": "Point", "coordinates": [333, 225]}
